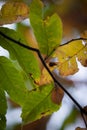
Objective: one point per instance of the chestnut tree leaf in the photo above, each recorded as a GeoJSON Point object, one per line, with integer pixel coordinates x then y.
{"type": "Point", "coordinates": [68, 55]}
{"type": "Point", "coordinates": [13, 11]}
{"type": "Point", "coordinates": [25, 58]}
{"type": "Point", "coordinates": [39, 104]}
{"type": "Point", "coordinates": [36, 102]}
{"type": "Point", "coordinates": [48, 31]}
{"type": "Point", "coordinates": [12, 81]}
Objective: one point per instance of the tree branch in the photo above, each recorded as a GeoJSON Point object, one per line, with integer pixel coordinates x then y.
{"type": "Point", "coordinates": [76, 39]}
{"type": "Point", "coordinates": [43, 62]}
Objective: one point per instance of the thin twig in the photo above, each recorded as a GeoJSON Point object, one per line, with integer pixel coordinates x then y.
{"type": "Point", "coordinates": [42, 60]}
{"type": "Point", "coordinates": [76, 39]}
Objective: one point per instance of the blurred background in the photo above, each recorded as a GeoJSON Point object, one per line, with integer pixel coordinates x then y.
{"type": "Point", "coordinates": [73, 14]}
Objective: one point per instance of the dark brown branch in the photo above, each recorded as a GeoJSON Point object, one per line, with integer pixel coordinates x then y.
{"type": "Point", "coordinates": [42, 60]}
{"type": "Point", "coordinates": [76, 39]}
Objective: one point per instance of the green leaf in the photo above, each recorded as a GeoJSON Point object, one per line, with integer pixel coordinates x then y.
{"type": "Point", "coordinates": [39, 104]}
{"type": "Point", "coordinates": [24, 57]}
{"type": "Point", "coordinates": [35, 103]}
{"type": "Point", "coordinates": [67, 55]}
{"type": "Point", "coordinates": [3, 108]}
{"type": "Point", "coordinates": [13, 11]}
{"type": "Point", "coordinates": [12, 81]}
{"type": "Point", "coordinates": [48, 31]}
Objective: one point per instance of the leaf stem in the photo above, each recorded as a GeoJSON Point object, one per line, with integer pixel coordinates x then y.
{"type": "Point", "coordinates": [43, 62]}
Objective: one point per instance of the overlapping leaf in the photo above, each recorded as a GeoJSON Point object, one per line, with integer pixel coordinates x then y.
{"type": "Point", "coordinates": [40, 104]}
{"type": "Point", "coordinates": [48, 31]}
{"type": "Point", "coordinates": [25, 58]}
{"type": "Point", "coordinates": [35, 104]}
{"type": "Point", "coordinates": [69, 54]}
{"type": "Point", "coordinates": [12, 81]}
{"type": "Point", "coordinates": [13, 11]}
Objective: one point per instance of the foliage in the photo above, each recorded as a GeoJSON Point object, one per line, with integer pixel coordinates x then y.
{"type": "Point", "coordinates": [67, 56]}
{"type": "Point", "coordinates": [22, 75]}
{"type": "Point", "coordinates": [49, 28]}
{"type": "Point", "coordinates": [17, 11]}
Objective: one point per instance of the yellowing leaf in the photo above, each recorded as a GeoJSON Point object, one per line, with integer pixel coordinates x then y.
{"type": "Point", "coordinates": [68, 55]}
{"type": "Point", "coordinates": [12, 12]}
{"type": "Point", "coordinates": [82, 56]}
{"type": "Point", "coordinates": [45, 77]}
{"type": "Point", "coordinates": [69, 67]}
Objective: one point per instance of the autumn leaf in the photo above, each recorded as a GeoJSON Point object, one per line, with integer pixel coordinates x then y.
{"type": "Point", "coordinates": [13, 11]}
{"type": "Point", "coordinates": [68, 55]}
{"type": "Point", "coordinates": [45, 77]}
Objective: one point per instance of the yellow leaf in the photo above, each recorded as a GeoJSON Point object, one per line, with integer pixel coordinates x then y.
{"type": "Point", "coordinates": [69, 67]}
{"type": "Point", "coordinates": [82, 56]}
{"type": "Point", "coordinates": [13, 11]}
{"type": "Point", "coordinates": [67, 57]}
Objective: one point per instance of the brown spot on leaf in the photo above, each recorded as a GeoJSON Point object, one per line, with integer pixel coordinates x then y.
{"type": "Point", "coordinates": [35, 82]}
{"type": "Point", "coordinates": [57, 95]}
{"type": "Point", "coordinates": [37, 125]}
